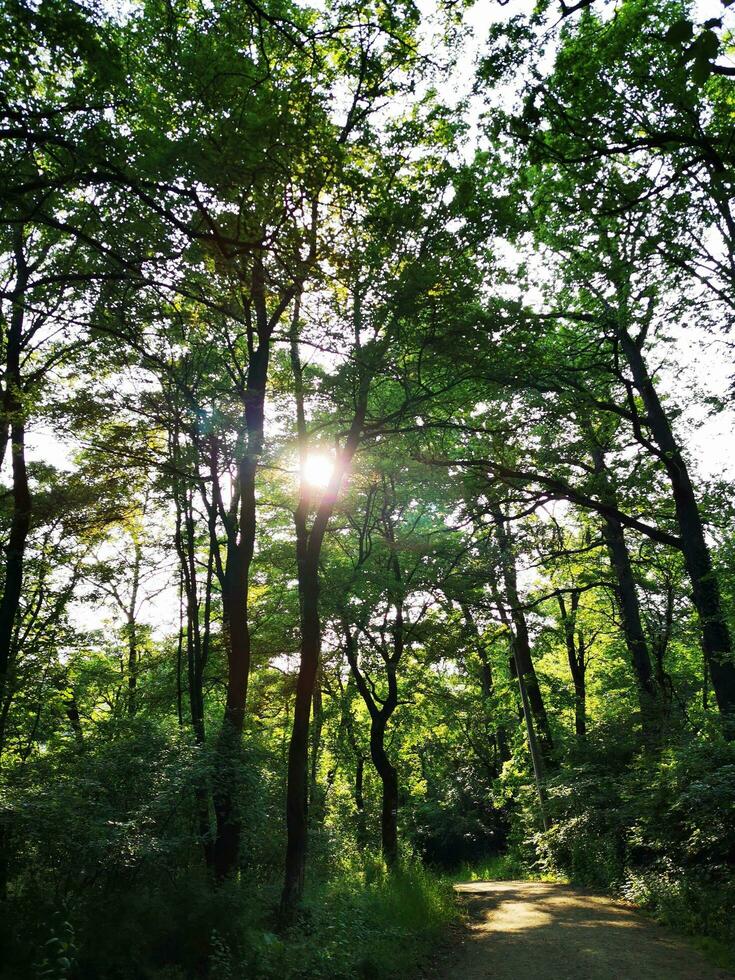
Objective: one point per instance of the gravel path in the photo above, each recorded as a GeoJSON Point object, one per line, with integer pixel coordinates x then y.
{"type": "Point", "coordinates": [528, 930]}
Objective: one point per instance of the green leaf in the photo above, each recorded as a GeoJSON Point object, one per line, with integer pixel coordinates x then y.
{"type": "Point", "coordinates": [680, 32]}
{"type": "Point", "coordinates": [701, 70]}
{"type": "Point", "coordinates": [709, 44]}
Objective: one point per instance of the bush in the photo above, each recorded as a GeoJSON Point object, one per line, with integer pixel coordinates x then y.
{"type": "Point", "coordinates": [109, 883]}
{"type": "Point", "coordinates": [368, 924]}
{"type": "Point", "coordinates": [658, 830]}
{"type": "Point", "coordinates": [461, 826]}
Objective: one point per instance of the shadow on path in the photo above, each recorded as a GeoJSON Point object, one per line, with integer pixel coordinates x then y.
{"type": "Point", "coordinates": [528, 930]}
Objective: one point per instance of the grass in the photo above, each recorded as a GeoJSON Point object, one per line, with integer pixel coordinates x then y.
{"type": "Point", "coordinates": [714, 951]}
{"type": "Point", "coordinates": [363, 924]}
{"type": "Point", "coordinates": [360, 924]}
{"type": "Point", "coordinates": [502, 867]}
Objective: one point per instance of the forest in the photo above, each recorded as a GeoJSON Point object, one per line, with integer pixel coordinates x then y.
{"type": "Point", "coordinates": [366, 500]}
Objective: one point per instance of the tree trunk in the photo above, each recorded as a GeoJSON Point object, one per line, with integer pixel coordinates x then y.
{"type": "Point", "coordinates": [359, 784]}
{"type": "Point", "coordinates": [716, 641]}
{"type": "Point", "coordinates": [630, 612]}
{"type": "Point", "coordinates": [240, 549]}
{"type": "Point", "coordinates": [486, 680]}
{"type": "Point", "coordinates": [16, 548]}
{"type": "Point", "coordinates": [379, 718]}
{"type": "Point", "coordinates": [537, 760]}
{"type": "Point", "coordinates": [21, 498]}
{"type": "Point", "coordinates": [180, 655]}
{"type": "Point", "coordinates": [297, 784]}
{"type": "Point", "coordinates": [195, 656]}
{"type": "Point", "coordinates": [580, 692]}
{"type": "Point", "coordinates": [361, 834]}
{"type": "Point", "coordinates": [15, 551]}
{"type": "Point", "coordinates": [577, 666]}
{"type": "Point", "coordinates": [389, 780]}
{"type": "Point", "coordinates": [308, 551]}
{"type": "Point", "coordinates": [133, 649]}
{"type": "Point", "coordinates": [659, 645]}
{"type": "Point", "coordinates": [521, 644]}
{"type": "Point", "coordinates": [580, 709]}
{"type": "Point", "coordinates": [133, 636]}
{"type": "Point", "coordinates": [317, 799]}
{"type": "Point", "coordinates": [196, 686]}
{"type": "Point", "coordinates": [228, 762]}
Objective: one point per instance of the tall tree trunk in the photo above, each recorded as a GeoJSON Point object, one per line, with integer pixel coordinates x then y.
{"type": "Point", "coordinates": [526, 711]}
{"type": "Point", "coordinates": [308, 551]}
{"type": "Point", "coordinates": [359, 784]}
{"type": "Point", "coordinates": [537, 759]}
{"type": "Point", "coordinates": [15, 550]}
{"type": "Point", "coordinates": [240, 549]}
{"type": "Point", "coordinates": [381, 712]}
{"type": "Point", "coordinates": [361, 833]}
{"type": "Point", "coordinates": [5, 710]}
{"type": "Point", "coordinates": [521, 644]}
{"type": "Point", "coordinates": [195, 655]}
{"type": "Point", "coordinates": [21, 497]}
{"type": "Point", "coordinates": [180, 655]}
{"type": "Point", "coordinates": [628, 604]}
{"type": "Point", "coordinates": [264, 315]}
{"type": "Point", "coordinates": [187, 554]}
{"type": "Point", "coordinates": [580, 692]}
{"type": "Point", "coordinates": [716, 642]}
{"type": "Point", "coordinates": [659, 645]}
{"type": "Point", "coordinates": [133, 634]}
{"type": "Point", "coordinates": [237, 644]}
{"type": "Point", "coordinates": [297, 785]}
{"type": "Point", "coordinates": [316, 792]}
{"type": "Point", "coordinates": [380, 715]}
{"type": "Point", "coordinates": [630, 615]}
{"type": "Point", "coordinates": [389, 782]}
{"type": "Point", "coordinates": [577, 666]}
{"type": "Point", "coordinates": [486, 680]}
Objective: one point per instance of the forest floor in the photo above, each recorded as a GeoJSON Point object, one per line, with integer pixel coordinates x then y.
{"type": "Point", "coordinates": [539, 930]}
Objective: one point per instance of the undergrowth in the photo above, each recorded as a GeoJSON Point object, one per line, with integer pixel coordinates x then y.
{"type": "Point", "coordinates": [363, 923]}
{"type": "Point", "coordinates": [655, 829]}
{"type": "Point", "coordinates": [370, 925]}
{"type": "Point", "coordinates": [504, 867]}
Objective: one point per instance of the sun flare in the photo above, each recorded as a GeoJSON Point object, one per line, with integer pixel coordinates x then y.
{"type": "Point", "coordinates": [318, 469]}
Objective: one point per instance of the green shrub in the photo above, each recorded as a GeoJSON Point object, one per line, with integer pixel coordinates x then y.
{"type": "Point", "coordinates": [369, 924]}
{"type": "Point", "coordinates": [659, 829]}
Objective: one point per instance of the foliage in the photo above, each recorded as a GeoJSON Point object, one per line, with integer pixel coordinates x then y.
{"type": "Point", "coordinates": [656, 829]}
{"type": "Point", "coordinates": [361, 518]}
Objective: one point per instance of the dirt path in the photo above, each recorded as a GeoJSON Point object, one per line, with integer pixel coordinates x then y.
{"type": "Point", "coordinates": [527, 930]}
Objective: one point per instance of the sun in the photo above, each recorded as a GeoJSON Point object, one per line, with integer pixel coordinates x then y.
{"type": "Point", "coordinates": [317, 470]}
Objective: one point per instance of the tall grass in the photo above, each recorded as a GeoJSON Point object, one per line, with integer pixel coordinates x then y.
{"type": "Point", "coordinates": [366, 924]}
